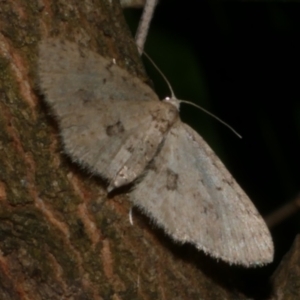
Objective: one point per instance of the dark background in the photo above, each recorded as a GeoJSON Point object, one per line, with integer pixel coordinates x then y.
{"type": "Point", "coordinates": [239, 60]}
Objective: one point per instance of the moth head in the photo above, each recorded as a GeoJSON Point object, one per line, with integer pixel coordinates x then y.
{"type": "Point", "coordinates": [172, 100]}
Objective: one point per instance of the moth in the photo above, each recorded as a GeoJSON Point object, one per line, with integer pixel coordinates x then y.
{"type": "Point", "coordinates": [115, 126]}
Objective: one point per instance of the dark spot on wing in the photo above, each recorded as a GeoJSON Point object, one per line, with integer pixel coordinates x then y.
{"type": "Point", "coordinates": [172, 180]}
{"type": "Point", "coordinates": [130, 148]}
{"type": "Point", "coordinates": [115, 129]}
{"type": "Point", "coordinates": [85, 95]}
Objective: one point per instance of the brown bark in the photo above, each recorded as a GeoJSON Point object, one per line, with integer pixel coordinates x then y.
{"type": "Point", "coordinates": [60, 236]}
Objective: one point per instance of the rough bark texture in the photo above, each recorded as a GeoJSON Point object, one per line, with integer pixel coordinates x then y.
{"type": "Point", "coordinates": [60, 236]}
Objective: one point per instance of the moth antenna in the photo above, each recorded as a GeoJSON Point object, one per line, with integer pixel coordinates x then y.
{"type": "Point", "coordinates": [188, 102]}
{"type": "Point", "coordinates": [162, 75]}
{"type": "Point", "coordinates": [212, 115]}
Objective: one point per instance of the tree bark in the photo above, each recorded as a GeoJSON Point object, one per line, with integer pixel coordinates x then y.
{"type": "Point", "coordinates": [61, 237]}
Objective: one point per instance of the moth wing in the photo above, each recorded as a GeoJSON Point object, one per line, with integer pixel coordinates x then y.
{"type": "Point", "coordinates": [68, 70]}
{"type": "Point", "coordinates": [189, 192]}
{"type": "Point", "coordinates": [104, 125]}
